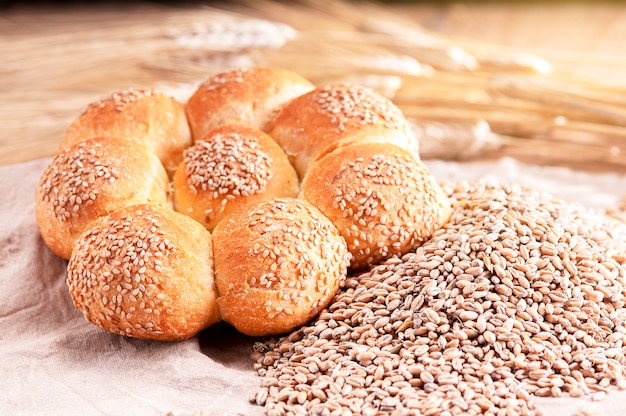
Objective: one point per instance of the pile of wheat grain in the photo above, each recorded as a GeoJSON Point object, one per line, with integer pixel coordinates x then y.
{"type": "Point", "coordinates": [521, 295]}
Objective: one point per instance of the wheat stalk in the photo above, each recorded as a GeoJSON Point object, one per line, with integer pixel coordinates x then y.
{"type": "Point", "coordinates": [481, 100]}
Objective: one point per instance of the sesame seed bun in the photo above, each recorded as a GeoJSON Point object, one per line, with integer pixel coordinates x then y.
{"type": "Point", "coordinates": [382, 199]}
{"type": "Point", "coordinates": [230, 167]}
{"type": "Point", "coordinates": [145, 271]}
{"type": "Point", "coordinates": [249, 96]}
{"type": "Point", "coordinates": [91, 179]}
{"type": "Point", "coordinates": [277, 265]}
{"type": "Point", "coordinates": [254, 247]}
{"type": "Point", "coordinates": [144, 115]}
{"type": "Point", "coordinates": [314, 124]}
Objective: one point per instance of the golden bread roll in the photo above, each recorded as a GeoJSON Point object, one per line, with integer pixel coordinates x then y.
{"type": "Point", "coordinates": [144, 115]}
{"type": "Point", "coordinates": [249, 96]}
{"type": "Point", "coordinates": [241, 239]}
{"type": "Point", "coordinates": [91, 179]}
{"type": "Point", "coordinates": [277, 265]}
{"type": "Point", "coordinates": [314, 124]}
{"type": "Point", "coordinates": [231, 166]}
{"type": "Point", "coordinates": [381, 197]}
{"type": "Point", "coordinates": [145, 271]}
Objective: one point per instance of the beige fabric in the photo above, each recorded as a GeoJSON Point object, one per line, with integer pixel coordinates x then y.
{"type": "Point", "coordinates": [52, 362]}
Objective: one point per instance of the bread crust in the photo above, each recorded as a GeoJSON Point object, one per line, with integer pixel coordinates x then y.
{"type": "Point", "coordinates": [145, 115]}
{"type": "Point", "coordinates": [336, 115]}
{"type": "Point", "coordinates": [277, 265]}
{"type": "Point", "coordinates": [383, 200]}
{"type": "Point", "coordinates": [91, 179]}
{"type": "Point", "coordinates": [166, 237]}
{"type": "Point", "coordinates": [230, 167]}
{"type": "Point", "coordinates": [145, 271]}
{"type": "Point", "coordinates": [248, 96]}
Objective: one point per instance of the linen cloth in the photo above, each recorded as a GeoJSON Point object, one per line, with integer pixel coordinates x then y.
{"type": "Point", "coordinates": [53, 362]}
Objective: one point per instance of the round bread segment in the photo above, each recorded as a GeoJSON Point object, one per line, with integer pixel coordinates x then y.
{"type": "Point", "coordinates": [145, 271]}
{"type": "Point", "coordinates": [247, 96]}
{"type": "Point", "coordinates": [277, 265]}
{"type": "Point", "coordinates": [144, 115]}
{"type": "Point", "coordinates": [91, 179]}
{"type": "Point", "coordinates": [231, 166]}
{"type": "Point", "coordinates": [316, 123]}
{"type": "Point", "coordinates": [383, 200]}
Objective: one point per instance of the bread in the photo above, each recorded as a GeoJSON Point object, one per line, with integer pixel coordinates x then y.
{"type": "Point", "coordinates": [383, 200]}
{"type": "Point", "coordinates": [91, 179]}
{"type": "Point", "coordinates": [231, 166]}
{"type": "Point", "coordinates": [316, 123]}
{"type": "Point", "coordinates": [254, 247]}
{"type": "Point", "coordinates": [277, 264]}
{"type": "Point", "coordinates": [145, 271]}
{"type": "Point", "coordinates": [249, 96]}
{"type": "Point", "coordinates": [144, 115]}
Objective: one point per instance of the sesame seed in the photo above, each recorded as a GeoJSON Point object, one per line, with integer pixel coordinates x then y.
{"type": "Point", "coordinates": [120, 282]}
{"type": "Point", "coordinates": [378, 222]}
{"type": "Point", "coordinates": [278, 227]}
{"type": "Point", "coordinates": [120, 99]}
{"type": "Point", "coordinates": [227, 165]}
{"type": "Point", "coordinates": [73, 178]}
{"type": "Point", "coordinates": [354, 104]}
{"type": "Point", "coordinates": [218, 81]}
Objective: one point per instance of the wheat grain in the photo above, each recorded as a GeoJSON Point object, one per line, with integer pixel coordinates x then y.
{"type": "Point", "coordinates": [411, 337]}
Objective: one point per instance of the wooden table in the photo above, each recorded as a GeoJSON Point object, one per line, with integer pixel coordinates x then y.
{"type": "Point", "coordinates": [57, 59]}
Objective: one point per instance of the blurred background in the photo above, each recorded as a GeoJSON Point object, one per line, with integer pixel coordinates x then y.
{"type": "Point", "coordinates": [539, 81]}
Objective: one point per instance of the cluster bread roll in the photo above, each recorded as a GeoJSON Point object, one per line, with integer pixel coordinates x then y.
{"type": "Point", "coordinates": [328, 117]}
{"type": "Point", "coordinates": [383, 199]}
{"type": "Point", "coordinates": [231, 166]}
{"type": "Point", "coordinates": [93, 178]}
{"type": "Point", "coordinates": [246, 96]}
{"type": "Point", "coordinates": [145, 271]}
{"type": "Point", "coordinates": [144, 115]}
{"type": "Point", "coordinates": [278, 264]}
{"type": "Point", "coordinates": [284, 190]}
